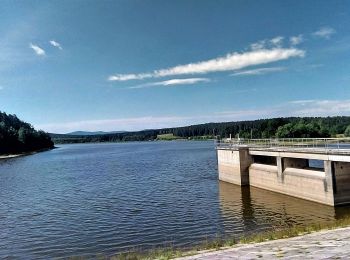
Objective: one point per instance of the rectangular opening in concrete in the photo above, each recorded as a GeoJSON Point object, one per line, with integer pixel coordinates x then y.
{"type": "Point", "coordinates": [317, 165]}
{"type": "Point", "coordinates": [296, 163]}
{"type": "Point", "coordinates": [268, 160]}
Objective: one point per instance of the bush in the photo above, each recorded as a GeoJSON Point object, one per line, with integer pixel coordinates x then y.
{"type": "Point", "coordinates": [347, 131]}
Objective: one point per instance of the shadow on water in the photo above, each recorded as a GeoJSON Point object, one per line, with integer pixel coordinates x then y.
{"type": "Point", "coordinates": [258, 210]}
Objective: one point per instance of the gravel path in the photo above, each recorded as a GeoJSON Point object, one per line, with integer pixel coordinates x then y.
{"type": "Point", "coordinates": [331, 244]}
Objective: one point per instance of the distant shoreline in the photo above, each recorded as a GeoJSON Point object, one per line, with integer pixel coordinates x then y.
{"type": "Point", "coordinates": [141, 141]}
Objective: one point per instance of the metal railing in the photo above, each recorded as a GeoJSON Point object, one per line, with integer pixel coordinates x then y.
{"type": "Point", "coordinates": [332, 144]}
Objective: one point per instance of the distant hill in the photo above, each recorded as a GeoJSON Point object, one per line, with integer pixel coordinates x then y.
{"type": "Point", "coordinates": [288, 127]}
{"type": "Point", "coordinates": [80, 133]}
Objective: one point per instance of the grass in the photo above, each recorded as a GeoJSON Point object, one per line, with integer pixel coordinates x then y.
{"type": "Point", "coordinates": [217, 244]}
{"type": "Point", "coordinates": [167, 137]}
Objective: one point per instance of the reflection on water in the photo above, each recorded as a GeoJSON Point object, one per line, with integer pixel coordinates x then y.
{"type": "Point", "coordinates": [258, 209]}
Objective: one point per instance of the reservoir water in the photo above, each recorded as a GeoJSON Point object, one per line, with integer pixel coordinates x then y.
{"type": "Point", "coordinates": [103, 199]}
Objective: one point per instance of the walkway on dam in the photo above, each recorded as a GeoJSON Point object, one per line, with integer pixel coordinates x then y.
{"type": "Point", "coordinates": [331, 244]}
{"type": "Point", "coordinates": [336, 146]}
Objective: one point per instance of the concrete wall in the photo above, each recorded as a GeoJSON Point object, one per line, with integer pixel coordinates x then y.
{"type": "Point", "coordinates": [233, 166]}
{"type": "Point", "coordinates": [342, 182]}
{"type": "Point", "coordinates": [300, 183]}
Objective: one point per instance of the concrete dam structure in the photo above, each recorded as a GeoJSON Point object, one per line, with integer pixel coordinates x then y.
{"type": "Point", "coordinates": [312, 169]}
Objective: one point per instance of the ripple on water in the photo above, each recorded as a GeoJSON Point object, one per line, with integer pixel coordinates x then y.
{"type": "Point", "coordinates": [89, 199]}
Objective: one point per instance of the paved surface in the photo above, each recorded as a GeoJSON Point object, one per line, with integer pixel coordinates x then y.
{"type": "Point", "coordinates": [333, 244]}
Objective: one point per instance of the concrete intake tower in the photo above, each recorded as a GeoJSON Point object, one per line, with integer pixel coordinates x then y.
{"type": "Point", "coordinates": [313, 169]}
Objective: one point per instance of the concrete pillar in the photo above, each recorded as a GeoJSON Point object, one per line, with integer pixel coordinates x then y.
{"type": "Point", "coordinates": [245, 161]}
{"type": "Point", "coordinates": [329, 177]}
{"type": "Point", "coordinates": [280, 169]}
{"type": "Point", "coordinates": [233, 165]}
{"type": "Point", "coordinates": [341, 182]}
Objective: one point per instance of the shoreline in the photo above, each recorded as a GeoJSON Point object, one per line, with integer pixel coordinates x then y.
{"type": "Point", "coordinates": [12, 156]}
{"type": "Point", "coordinates": [218, 248]}
{"type": "Point", "coordinates": [332, 243]}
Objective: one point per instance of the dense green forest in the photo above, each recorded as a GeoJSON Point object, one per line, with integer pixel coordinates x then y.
{"type": "Point", "coordinates": [17, 136]}
{"type": "Point", "coordinates": [291, 127]}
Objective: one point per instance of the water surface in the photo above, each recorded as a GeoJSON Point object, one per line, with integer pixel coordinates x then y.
{"type": "Point", "coordinates": [89, 199]}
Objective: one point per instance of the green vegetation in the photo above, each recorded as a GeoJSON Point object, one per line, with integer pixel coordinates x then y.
{"type": "Point", "coordinates": [217, 244]}
{"type": "Point", "coordinates": [303, 129]}
{"type": "Point", "coordinates": [167, 137]}
{"type": "Point", "coordinates": [291, 127]}
{"type": "Point", "coordinates": [17, 136]}
{"type": "Point", "coordinates": [347, 131]}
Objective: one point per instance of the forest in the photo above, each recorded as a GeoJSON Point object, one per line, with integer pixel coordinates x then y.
{"type": "Point", "coordinates": [17, 136]}
{"type": "Point", "coordinates": [290, 127]}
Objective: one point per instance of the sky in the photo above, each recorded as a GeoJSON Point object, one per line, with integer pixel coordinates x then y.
{"type": "Point", "coordinates": [133, 65]}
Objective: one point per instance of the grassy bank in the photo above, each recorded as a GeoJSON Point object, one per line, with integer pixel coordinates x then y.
{"type": "Point", "coordinates": [169, 253]}
{"type": "Point", "coordinates": [167, 137]}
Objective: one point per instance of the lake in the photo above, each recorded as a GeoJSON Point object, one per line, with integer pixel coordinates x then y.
{"type": "Point", "coordinates": [90, 199]}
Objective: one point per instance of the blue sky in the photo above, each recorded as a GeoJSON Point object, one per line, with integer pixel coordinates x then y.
{"type": "Point", "coordinates": [132, 65]}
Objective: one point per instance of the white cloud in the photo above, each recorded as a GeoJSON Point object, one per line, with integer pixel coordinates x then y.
{"type": "Point", "coordinates": [172, 82]}
{"type": "Point", "coordinates": [258, 45]}
{"type": "Point", "coordinates": [322, 107]}
{"type": "Point", "coordinates": [134, 123]}
{"type": "Point", "coordinates": [277, 41]}
{"type": "Point", "coordinates": [295, 40]}
{"type": "Point", "coordinates": [292, 108]}
{"type": "Point", "coordinates": [39, 51]}
{"type": "Point", "coordinates": [125, 77]}
{"type": "Point", "coordinates": [232, 61]}
{"type": "Point", "coordinates": [302, 102]}
{"type": "Point", "coordinates": [267, 43]}
{"type": "Point", "coordinates": [260, 71]}
{"type": "Point", "coordinates": [324, 32]}
{"type": "Point", "coordinates": [56, 44]}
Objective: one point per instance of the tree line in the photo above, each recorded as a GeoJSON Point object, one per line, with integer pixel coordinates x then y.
{"type": "Point", "coordinates": [17, 136]}
{"type": "Point", "coordinates": [290, 127]}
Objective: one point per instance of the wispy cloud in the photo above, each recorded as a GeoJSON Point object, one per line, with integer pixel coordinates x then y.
{"type": "Point", "coordinates": [39, 51]}
{"type": "Point", "coordinates": [277, 41]}
{"type": "Point", "coordinates": [295, 40]}
{"type": "Point", "coordinates": [232, 61]}
{"type": "Point", "coordinates": [260, 71]}
{"type": "Point", "coordinates": [258, 45]}
{"type": "Point", "coordinates": [172, 82]}
{"type": "Point", "coordinates": [125, 77]}
{"type": "Point", "coordinates": [324, 32]}
{"type": "Point", "coordinates": [56, 44]}
{"type": "Point", "coordinates": [302, 102]}
{"type": "Point", "coordinates": [322, 107]}
{"type": "Point", "coordinates": [133, 123]}
{"type": "Point", "coordinates": [291, 108]}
